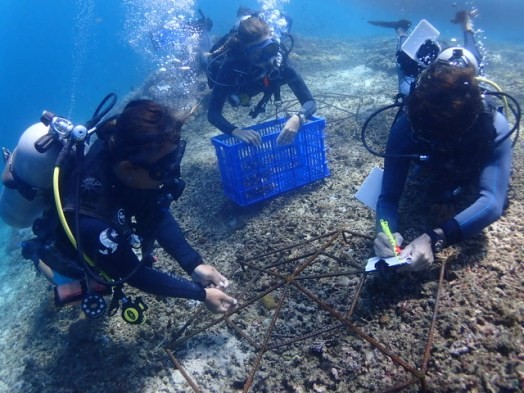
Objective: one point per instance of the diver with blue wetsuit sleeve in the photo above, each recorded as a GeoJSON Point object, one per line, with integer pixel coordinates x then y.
{"type": "Point", "coordinates": [127, 183]}
{"type": "Point", "coordinates": [97, 209]}
{"type": "Point", "coordinates": [462, 138]}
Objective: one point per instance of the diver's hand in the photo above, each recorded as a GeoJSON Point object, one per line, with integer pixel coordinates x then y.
{"type": "Point", "coordinates": [289, 131]}
{"type": "Point", "coordinates": [218, 302]}
{"type": "Point", "coordinates": [248, 136]}
{"type": "Point", "coordinates": [209, 277]}
{"type": "Point", "coordinates": [420, 252]}
{"type": "Point", "coordinates": [383, 247]}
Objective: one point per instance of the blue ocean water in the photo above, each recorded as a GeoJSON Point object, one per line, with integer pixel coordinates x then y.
{"type": "Point", "coordinates": [66, 55]}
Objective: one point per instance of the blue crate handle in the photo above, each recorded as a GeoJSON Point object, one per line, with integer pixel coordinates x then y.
{"type": "Point", "coordinates": [252, 174]}
{"type": "Point", "coordinates": [229, 140]}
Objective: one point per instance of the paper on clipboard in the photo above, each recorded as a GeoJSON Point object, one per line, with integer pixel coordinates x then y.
{"type": "Point", "coordinates": [377, 263]}
{"type": "Point", "coordinates": [369, 191]}
{"type": "Point", "coordinates": [421, 33]}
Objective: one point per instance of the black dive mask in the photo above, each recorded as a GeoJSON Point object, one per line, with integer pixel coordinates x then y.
{"type": "Point", "coordinates": [167, 167]}
{"type": "Point", "coordinates": [262, 52]}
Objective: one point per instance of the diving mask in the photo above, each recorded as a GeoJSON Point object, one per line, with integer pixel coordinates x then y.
{"type": "Point", "coordinates": [263, 52]}
{"type": "Point", "coordinates": [168, 166]}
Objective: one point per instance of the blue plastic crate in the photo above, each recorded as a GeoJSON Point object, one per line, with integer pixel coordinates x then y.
{"type": "Point", "coordinates": [252, 174]}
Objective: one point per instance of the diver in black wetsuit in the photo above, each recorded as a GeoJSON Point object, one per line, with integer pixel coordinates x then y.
{"type": "Point", "coordinates": [129, 180]}
{"type": "Point", "coordinates": [251, 63]}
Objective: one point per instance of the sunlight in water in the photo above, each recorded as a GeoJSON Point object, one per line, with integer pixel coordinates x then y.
{"type": "Point", "coordinates": [82, 32]}
{"type": "Point", "coordinates": [174, 36]}
{"type": "Point", "coordinates": [144, 18]}
{"type": "Point", "coordinates": [168, 33]}
{"type": "Point", "coordinates": [272, 10]}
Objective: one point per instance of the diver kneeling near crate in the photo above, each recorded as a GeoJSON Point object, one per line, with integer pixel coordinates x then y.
{"type": "Point", "coordinates": [249, 61]}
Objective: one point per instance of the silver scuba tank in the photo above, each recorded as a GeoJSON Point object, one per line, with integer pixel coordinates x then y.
{"type": "Point", "coordinates": [27, 179]}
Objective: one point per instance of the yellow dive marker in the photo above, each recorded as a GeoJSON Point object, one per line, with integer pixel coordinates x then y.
{"type": "Point", "coordinates": [385, 228]}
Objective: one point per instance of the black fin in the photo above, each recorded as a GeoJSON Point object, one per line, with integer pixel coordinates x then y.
{"type": "Point", "coordinates": [403, 23]}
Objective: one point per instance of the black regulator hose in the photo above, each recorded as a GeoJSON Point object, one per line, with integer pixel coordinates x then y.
{"type": "Point", "coordinates": [285, 49]}
{"type": "Point", "coordinates": [398, 105]}
{"type": "Point", "coordinates": [515, 110]}
{"type": "Point", "coordinates": [97, 116]}
{"type": "Point", "coordinates": [514, 107]}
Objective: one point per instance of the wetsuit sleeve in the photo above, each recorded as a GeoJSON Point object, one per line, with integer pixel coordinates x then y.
{"type": "Point", "coordinates": [301, 91]}
{"type": "Point", "coordinates": [471, 45]}
{"type": "Point", "coordinates": [115, 257]}
{"type": "Point", "coordinates": [404, 62]}
{"type": "Point", "coordinates": [171, 238]}
{"type": "Point", "coordinates": [217, 101]}
{"type": "Point", "coordinates": [494, 184]}
{"type": "Point", "coordinates": [395, 173]}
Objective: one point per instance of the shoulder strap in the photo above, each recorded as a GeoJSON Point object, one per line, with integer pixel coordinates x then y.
{"type": "Point", "coordinates": [273, 90]}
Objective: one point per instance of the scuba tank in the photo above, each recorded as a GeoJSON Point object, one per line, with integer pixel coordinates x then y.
{"type": "Point", "coordinates": [27, 178]}
{"type": "Point", "coordinates": [28, 174]}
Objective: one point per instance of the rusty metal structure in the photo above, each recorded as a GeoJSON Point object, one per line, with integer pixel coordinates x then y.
{"type": "Point", "coordinates": [310, 294]}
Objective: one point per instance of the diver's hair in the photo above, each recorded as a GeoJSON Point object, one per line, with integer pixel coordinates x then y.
{"type": "Point", "coordinates": [143, 126]}
{"type": "Point", "coordinates": [252, 29]}
{"type": "Point", "coordinates": [445, 102]}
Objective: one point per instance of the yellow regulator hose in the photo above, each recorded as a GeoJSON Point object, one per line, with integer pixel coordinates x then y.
{"type": "Point", "coordinates": [61, 215]}
{"type": "Point", "coordinates": [497, 87]}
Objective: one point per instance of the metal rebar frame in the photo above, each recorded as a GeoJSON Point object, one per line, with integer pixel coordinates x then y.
{"type": "Point", "coordinates": [289, 270]}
